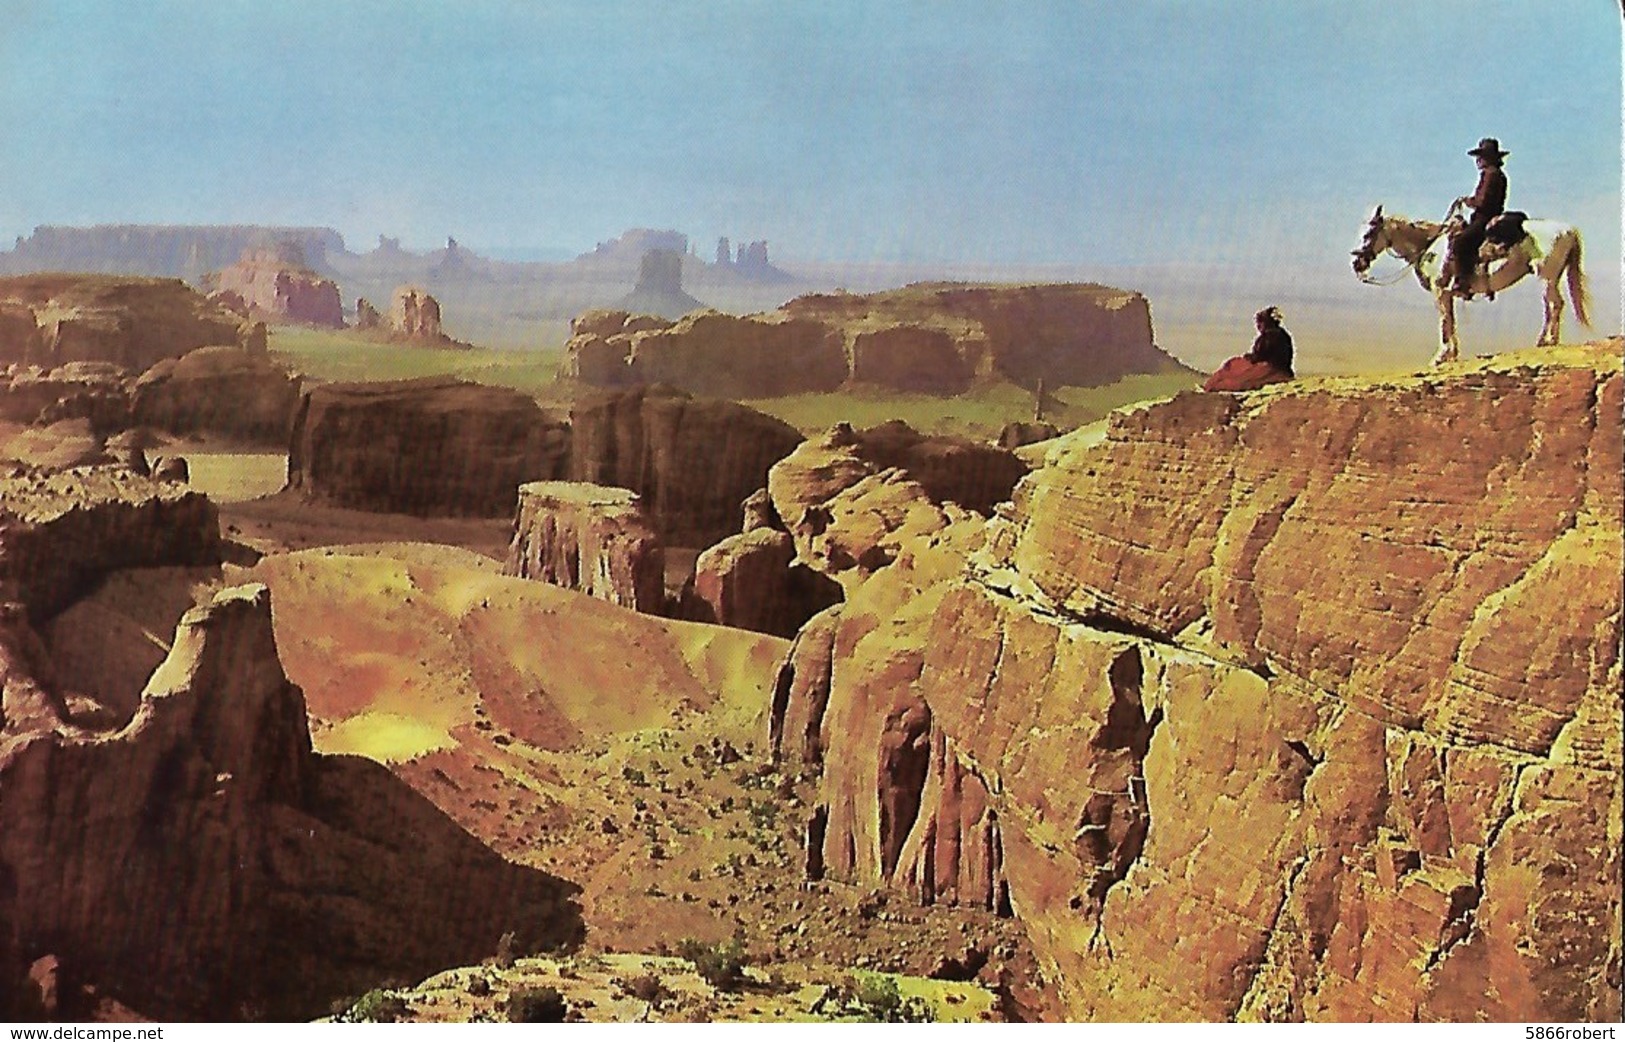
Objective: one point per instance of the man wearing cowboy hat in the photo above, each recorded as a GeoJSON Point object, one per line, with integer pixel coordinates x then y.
{"type": "Point", "coordinates": [1487, 202]}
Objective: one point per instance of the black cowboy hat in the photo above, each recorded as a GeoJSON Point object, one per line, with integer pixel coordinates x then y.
{"type": "Point", "coordinates": [1488, 147]}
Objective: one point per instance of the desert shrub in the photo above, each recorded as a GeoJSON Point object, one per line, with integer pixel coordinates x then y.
{"type": "Point", "coordinates": [719, 965]}
{"type": "Point", "coordinates": [877, 998]}
{"type": "Point", "coordinates": [764, 814]}
{"type": "Point", "coordinates": [377, 1006]}
{"type": "Point", "coordinates": [646, 987]}
{"type": "Point", "coordinates": [537, 1006]}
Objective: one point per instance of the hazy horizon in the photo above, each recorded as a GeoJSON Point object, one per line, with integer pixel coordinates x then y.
{"type": "Point", "coordinates": [1223, 154]}
{"type": "Point", "coordinates": [942, 132]}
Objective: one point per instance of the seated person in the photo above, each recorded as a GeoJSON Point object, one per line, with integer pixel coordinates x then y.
{"type": "Point", "coordinates": [1269, 362]}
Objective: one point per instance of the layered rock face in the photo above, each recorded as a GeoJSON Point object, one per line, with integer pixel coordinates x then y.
{"type": "Point", "coordinates": [218, 390]}
{"type": "Point", "coordinates": [64, 531]}
{"type": "Point", "coordinates": [852, 498]}
{"type": "Point", "coordinates": [431, 447]}
{"type": "Point", "coordinates": [281, 289]}
{"type": "Point", "coordinates": [930, 338]}
{"type": "Point", "coordinates": [192, 857]}
{"type": "Point", "coordinates": [588, 538]}
{"type": "Point", "coordinates": [202, 862]}
{"type": "Point", "coordinates": [94, 391]}
{"type": "Point", "coordinates": [1304, 705]}
{"type": "Point", "coordinates": [692, 461]}
{"type": "Point", "coordinates": [51, 320]}
{"type": "Point", "coordinates": [1063, 334]}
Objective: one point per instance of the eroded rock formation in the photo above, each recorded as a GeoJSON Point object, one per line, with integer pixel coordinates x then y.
{"type": "Point", "coordinates": [752, 581]}
{"type": "Point", "coordinates": [430, 447]}
{"type": "Point", "coordinates": [852, 498]}
{"type": "Point", "coordinates": [223, 391]}
{"type": "Point", "coordinates": [94, 391]}
{"type": "Point", "coordinates": [50, 320]}
{"type": "Point", "coordinates": [659, 289]}
{"type": "Point", "coordinates": [191, 857]}
{"type": "Point", "coordinates": [367, 316]}
{"type": "Point", "coordinates": [692, 461]}
{"type": "Point", "coordinates": [931, 338]}
{"type": "Point", "coordinates": [1262, 708]}
{"type": "Point", "coordinates": [64, 531]}
{"type": "Point", "coordinates": [413, 313]}
{"type": "Point", "coordinates": [279, 288]}
{"type": "Point", "coordinates": [588, 538]}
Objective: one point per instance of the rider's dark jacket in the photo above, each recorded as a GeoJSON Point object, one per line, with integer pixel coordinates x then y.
{"type": "Point", "coordinates": [1490, 198]}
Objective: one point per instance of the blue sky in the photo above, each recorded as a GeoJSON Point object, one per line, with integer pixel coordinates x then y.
{"type": "Point", "coordinates": [1062, 132]}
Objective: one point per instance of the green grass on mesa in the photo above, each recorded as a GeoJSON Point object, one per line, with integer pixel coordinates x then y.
{"type": "Point", "coordinates": [332, 354]}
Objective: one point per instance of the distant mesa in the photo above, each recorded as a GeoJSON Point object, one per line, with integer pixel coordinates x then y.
{"type": "Point", "coordinates": [632, 245]}
{"type": "Point", "coordinates": [275, 285]}
{"type": "Point", "coordinates": [660, 287]}
{"type": "Point", "coordinates": [932, 338]}
{"type": "Point", "coordinates": [177, 251]}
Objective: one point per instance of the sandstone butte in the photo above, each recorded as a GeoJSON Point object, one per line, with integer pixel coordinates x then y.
{"type": "Point", "coordinates": [432, 447]}
{"type": "Point", "coordinates": [270, 286]}
{"type": "Point", "coordinates": [186, 853]}
{"type": "Point", "coordinates": [934, 338]}
{"type": "Point", "coordinates": [1300, 705]}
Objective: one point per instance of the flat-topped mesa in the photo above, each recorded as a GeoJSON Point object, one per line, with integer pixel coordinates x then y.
{"type": "Point", "coordinates": [588, 538]}
{"type": "Point", "coordinates": [935, 338]}
{"type": "Point", "coordinates": [51, 320]}
{"type": "Point", "coordinates": [1315, 690]}
{"type": "Point", "coordinates": [63, 532]}
{"type": "Point", "coordinates": [433, 447]}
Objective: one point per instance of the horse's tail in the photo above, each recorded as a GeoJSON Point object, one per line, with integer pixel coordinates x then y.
{"type": "Point", "coordinates": [1579, 294]}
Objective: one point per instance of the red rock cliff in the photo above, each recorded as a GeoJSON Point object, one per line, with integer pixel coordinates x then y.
{"type": "Point", "coordinates": [51, 320]}
{"type": "Point", "coordinates": [433, 447]}
{"type": "Point", "coordinates": [196, 859]}
{"type": "Point", "coordinates": [1298, 705]}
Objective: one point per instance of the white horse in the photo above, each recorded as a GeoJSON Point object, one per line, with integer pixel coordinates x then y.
{"type": "Point", "coordinates": [1548, 249]}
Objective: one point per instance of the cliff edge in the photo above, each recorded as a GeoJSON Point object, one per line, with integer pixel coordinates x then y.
{"type": "Point", "coordinates": [1304, 704]}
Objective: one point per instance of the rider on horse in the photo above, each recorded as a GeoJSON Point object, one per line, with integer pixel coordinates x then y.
{"type": "Point", "coordinates": [1487, 202]}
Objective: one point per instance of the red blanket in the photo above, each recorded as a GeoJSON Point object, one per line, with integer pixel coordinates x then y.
{"type": "Point", "coordinates": [1239, 374]}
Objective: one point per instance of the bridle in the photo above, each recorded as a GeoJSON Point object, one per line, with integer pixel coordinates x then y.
{"type": "Point", "coordinates": [1410, 265]}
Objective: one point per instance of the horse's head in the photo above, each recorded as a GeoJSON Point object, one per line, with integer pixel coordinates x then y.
{"type": "Point", "coordinates": [1372, 243]}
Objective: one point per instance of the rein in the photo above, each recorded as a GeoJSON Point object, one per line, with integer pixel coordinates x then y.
{"type": "Point", "coordinates": [1372, 280]}
{"type": "Point", "coordinates": [1411, 264]}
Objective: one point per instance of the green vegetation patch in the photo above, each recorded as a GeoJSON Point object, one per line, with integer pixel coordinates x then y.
{"type": "Point", "coordinates": [327, 354]}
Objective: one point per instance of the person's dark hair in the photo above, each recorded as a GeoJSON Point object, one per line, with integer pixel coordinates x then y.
{"type": "Point", "coordinates": [1271, 315]}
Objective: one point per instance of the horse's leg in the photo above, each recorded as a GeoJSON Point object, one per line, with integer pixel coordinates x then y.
{"type": "Point", "coordinates": [1552, 330]}
{"type": "Point", "coordinates": [1447, 327]}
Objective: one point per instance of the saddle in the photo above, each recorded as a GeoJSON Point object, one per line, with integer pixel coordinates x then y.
{"type": "Point", "coordinates": [1505, 230]}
